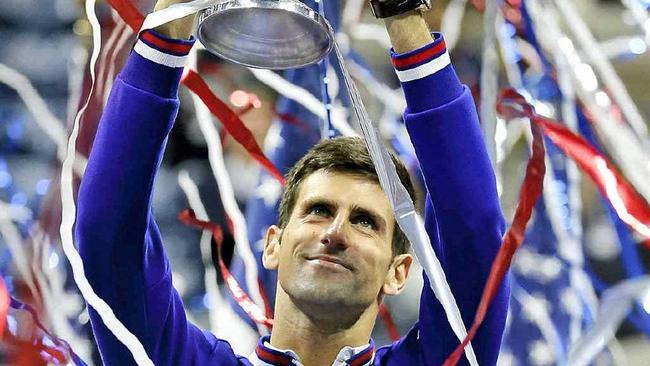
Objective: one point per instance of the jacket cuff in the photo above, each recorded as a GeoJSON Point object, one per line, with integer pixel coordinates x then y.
{"type": "Point", "coordinates": [156, 63]}
{"type": "Point", "coordinates": [427, 76]}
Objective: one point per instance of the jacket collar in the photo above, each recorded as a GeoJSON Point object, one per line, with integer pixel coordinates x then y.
{"type": "Point", "coordinates": [265, 355]}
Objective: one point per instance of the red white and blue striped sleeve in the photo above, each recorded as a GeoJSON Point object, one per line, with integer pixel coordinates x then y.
{"type": "Point", "coordinates": [162, 50]}
{"type": "Point", "coordinates": [427, 76]}
{"type": "Point", "coordinates": [156, 63]}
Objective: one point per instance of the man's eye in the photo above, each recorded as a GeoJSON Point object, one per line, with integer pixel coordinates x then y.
{"type": "Point", "coordinates": [319, 210]}
{"type": "Point", "coordinates": [365, 221]}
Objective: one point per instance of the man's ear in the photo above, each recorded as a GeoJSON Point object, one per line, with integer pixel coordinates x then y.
{"type": "Point", "coordinates": [397, 274]}
{"type": "Point", "coordinates": [271, 255]}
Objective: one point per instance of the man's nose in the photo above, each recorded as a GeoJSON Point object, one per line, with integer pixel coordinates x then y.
{"type": "Point", "coordinates": [335, 235]}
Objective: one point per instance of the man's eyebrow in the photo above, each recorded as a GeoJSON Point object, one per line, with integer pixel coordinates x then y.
{"type": "Point", "coordinates": [316, 200]}
{"type": "Point", "coordinates": [379, 220]}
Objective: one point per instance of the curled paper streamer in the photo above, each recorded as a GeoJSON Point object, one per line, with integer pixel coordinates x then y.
{"type": "Point", "coordinates": [4, 306]}
{"type": "Point", "coordinates": [605, 69]}
{"type": "Point", "coordinates": [627, 203]}
{"type": "Point", "coordinates": [58, 342]}
{"type": "Point", "coordinates": [531, 189]}
{"type": "Point", "coordinates": [452, 19]}
{"type": "Point", "coordinates": [68, 213]}
{"type": "Point", "coordinates": [224, 322]}
{"type": "Point", "coordinates": [44, 118]}
{"type": "Point", "coordinates": [489, 75]}
{"type": "Point", "coordinates": [254, 312]}
{"type": "Point", "coordinates": [227, 195]}
{"type": "Point", "coordinates": [618, 138]}
{"type": "Point", "coordinates": [193, 197]}
{"type": "Point", "coordinates": [303, 97]}
{"type": "Point", "coordinates": [408, 219]}
{"type": "Point", "coordinates": [231, 121]}
{"type": "Point", "coordinates": [615, 304]}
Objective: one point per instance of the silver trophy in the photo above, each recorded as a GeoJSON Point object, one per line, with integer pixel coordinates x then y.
{"type": "Point", "coordinates": [268, 34]}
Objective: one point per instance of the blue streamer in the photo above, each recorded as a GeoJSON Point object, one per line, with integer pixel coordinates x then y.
{"type": "Point", "coordinates": [18, 305]}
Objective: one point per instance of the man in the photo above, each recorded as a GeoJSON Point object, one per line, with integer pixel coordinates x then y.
{"type": "Point", "coordinates": [336, 248]}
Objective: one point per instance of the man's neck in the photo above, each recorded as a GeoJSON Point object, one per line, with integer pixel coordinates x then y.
{"type": "Point", "coordinates": [317, 342]}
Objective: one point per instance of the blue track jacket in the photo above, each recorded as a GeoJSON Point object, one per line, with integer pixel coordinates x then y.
{"type": "Point", "coordinates": [123, 251]}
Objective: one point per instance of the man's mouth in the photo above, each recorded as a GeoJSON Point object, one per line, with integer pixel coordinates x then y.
{"type": "Point", "coordinates": [329, 261]}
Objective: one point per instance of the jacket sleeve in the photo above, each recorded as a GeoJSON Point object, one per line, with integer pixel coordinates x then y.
{"type": "Point", "coordinates": [118, 239]}
{"type": "Point", "coordinates": [462, 213]}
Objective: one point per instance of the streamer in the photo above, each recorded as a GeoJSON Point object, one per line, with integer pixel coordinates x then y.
{"type": "Point", "coordinates": [233, 124]}
{"type": "Point", "coordinates": [530, 192]}
{"type": "Point", "coordinates": [254, 312]}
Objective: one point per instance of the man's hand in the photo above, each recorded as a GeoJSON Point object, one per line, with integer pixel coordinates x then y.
{"type": "Point", "coordinates": [179, 29]}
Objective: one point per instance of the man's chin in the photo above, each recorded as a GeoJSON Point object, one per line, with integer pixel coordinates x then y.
{"type": "Point", "coordinates": [321, 291]}
{"type": "Point", "coordinates": [329, 305]}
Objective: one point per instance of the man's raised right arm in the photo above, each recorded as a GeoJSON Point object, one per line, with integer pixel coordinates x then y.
{"type": "Point", "coordinates": [118, 239]}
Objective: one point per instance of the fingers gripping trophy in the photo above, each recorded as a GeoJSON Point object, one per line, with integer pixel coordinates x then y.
{"type": "Point", "coordinates": [271, 34]}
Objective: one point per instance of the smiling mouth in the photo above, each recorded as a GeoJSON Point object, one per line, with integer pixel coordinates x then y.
{"type": "Point", "coordinates": [329, 262]}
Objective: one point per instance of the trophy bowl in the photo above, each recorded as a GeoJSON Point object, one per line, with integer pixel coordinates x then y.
{"type": "Point", "coordinates": [267, 34]}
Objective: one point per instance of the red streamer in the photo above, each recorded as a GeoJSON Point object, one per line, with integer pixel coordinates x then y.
{"type": "Point", "coordinates": [231, 122]}
{"type": "Point", "coordinates": [627, 203]}
{"type": "Point", "coordinates": [4, 306]}
{"type": "Point", "coordinates": [630, 206]}
{"type": "Point", "coordinates": [253, 311]}
{"type": "Point", "coordinates": [128, 12]}
{"type": "Point", "coordinates": [389, 323]}
{"type": "Point", "coordinates": [531, 190]}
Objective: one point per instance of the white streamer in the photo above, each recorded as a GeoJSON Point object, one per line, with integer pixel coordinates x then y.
{"type": "Point", "coordinates": [489, 78]}
{"type": "Point", "coordinates": [110, 77]}
{"type": "Point", "coordinates": [226, 192]}
{"type": "Point", "coordinates": [619, 138]}
{"type": "Point", "coordinates": [409, 221]}
{"type": "Point", "coordinates": [393, 100]}
{"type": "Point", "coordinates": [58, 304]}
{"type": "Point", "coordinates": [451, 22]}
{"type": "Point", "coordinates": [616, 303]}
{"type": "Point", "coordinates": [352, 11]}
{"type": "Point", "coordinates": [210, 277]}
{"type": "Point", "coordinates": [68, 218]}
{"type": "Point", "coordinates": [176, 11]}
{"type": "Point", "coordinates": [44, 118]}
{"type": "Point", "coordinates": [640, 16]}
{"type": "Point", "coordinates": [224, 322]}
{"type": "Point", "coordinates": [303, 97]}
{"type": "Point", "coordinates": [536, 311]}
{"type": "Point", "coordinates": [605, 69]}
{"type": "Point", "coordinates": [14, 242]}
{"type": "Point", "coordinates": [109, 47]}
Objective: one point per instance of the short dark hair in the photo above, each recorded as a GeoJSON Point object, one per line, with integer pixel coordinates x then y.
{"type": "Point", "coordinates": [341, 155]}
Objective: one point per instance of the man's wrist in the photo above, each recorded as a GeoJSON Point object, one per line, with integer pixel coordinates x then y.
{"type": "Point", "coordinates": [177, 29]}
{"type": "Point", "coordinates": [408, 31]}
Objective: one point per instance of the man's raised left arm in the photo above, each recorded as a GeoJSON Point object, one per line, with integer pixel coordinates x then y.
{"type": "Point", "coordinates": [462, 216]}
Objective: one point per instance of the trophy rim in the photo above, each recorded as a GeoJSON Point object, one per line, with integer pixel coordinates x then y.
{"type": "Point", "coordinates": [295, 7]}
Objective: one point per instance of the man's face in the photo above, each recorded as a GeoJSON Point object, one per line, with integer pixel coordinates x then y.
{"type": "Point", "coordinates": [336, 247]}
